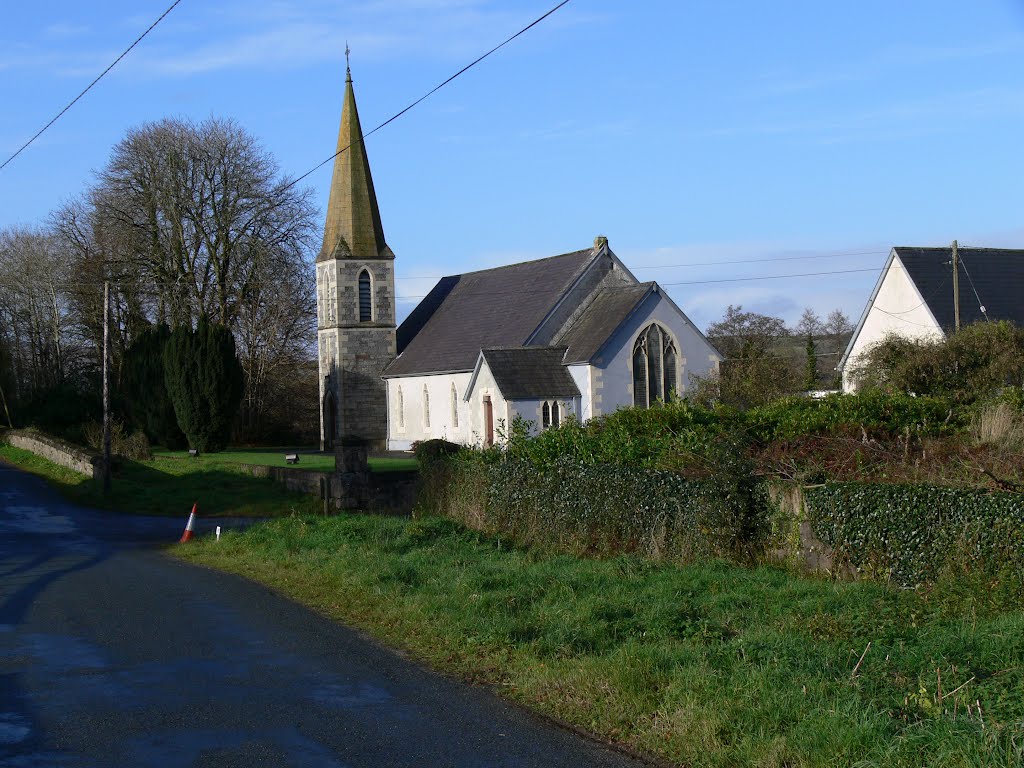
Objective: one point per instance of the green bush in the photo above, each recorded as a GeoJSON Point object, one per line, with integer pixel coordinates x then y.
{"type": "Point", "coordinates": [913, 533]}
{"type": "Point", "coordinates": [877, 413]}
{"type": "Point", "coordinates": [133, 446]}
{"type": "Point", "coordinates": [974, 363]}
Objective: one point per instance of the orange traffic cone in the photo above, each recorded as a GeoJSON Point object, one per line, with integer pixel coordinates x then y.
{"type": "Point", "coordinates": [190, 526]}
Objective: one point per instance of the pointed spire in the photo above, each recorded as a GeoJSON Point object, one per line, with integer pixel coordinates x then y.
{"type": "Point", "coordinates": [353, 229]}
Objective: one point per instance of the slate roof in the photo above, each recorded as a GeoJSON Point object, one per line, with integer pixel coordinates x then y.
{"type": "Point", "coordinates": [530, 373]}
{"type": "Point", "coordinates": [498, 307]}
{"type": "Point", "coordinates": [995, 274]}
{"type": "Point", "coordinates": [606, 313]}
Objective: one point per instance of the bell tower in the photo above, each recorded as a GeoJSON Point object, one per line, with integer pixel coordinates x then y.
{"type": "Point", "coordinates": [355, 290]}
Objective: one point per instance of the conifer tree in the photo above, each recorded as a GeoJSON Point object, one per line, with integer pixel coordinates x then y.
{"type": "Point", "coordinates": [205, 382]}
{"type": "Point", "coordinates": [148, 400]}
{"type": "Point", "coordinates": [811, 369]}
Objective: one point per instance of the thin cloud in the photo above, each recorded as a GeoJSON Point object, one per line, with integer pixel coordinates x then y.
{"type": "Point", "coordinates": [885, 62]}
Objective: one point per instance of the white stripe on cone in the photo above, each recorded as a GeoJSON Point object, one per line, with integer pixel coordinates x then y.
{"type": "Point", "coordinates": [190, 526]}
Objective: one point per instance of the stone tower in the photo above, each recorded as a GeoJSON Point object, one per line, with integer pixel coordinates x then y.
{"type": "Point", "coordinates": [355, 287]}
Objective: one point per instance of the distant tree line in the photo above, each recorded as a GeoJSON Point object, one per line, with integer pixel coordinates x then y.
{"type": "Point", "coordinates": [197, 232]}
{"type": "Point", "coordinates": [765, 359]}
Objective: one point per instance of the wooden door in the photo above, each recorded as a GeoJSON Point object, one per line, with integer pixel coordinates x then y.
{"type": "Point", "coordinates": [488, 422]}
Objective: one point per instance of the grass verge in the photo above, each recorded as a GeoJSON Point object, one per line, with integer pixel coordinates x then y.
{"type": "Point", "coordinates": [170, 487]}
{"type": "Point", "coordinates": [705, 665]}
{"type": "Point", "coordinates": [274, 457]}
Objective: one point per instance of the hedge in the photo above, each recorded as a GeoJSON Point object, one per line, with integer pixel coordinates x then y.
{"type": "Point", "coordinates": [912, 533]}
{"type": "Point", "coordinates": [601, 509]}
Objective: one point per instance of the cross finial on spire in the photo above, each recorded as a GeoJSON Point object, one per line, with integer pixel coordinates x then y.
{"type": "Point", "coordinates": [348, 70]}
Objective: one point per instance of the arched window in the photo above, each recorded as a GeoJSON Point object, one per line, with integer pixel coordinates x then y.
{"type": "Point", "coordinates": [401, 409]}
{"type": "Point", "coordinates": [550, 415]}
{"type": "Point", "coordinates": [455, 408]}
{"type": "Point", "coordinates": [365, 298]}
{"type": "Point", "coordinates": [655, 367]}
{"type": "Point", "coordinates": [640, 372]}
{"type": "Point", "coordinates": [426, 407]}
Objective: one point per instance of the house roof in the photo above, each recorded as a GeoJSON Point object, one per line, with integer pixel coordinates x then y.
{"type": "Point", "coordinates": [491, 308]}
{"type": "Point", "coordinates": [530, 373]}
{"type": "Point", "coordinates": [989, 277]}
{"type": "Point", "coordinates": [606, 313]}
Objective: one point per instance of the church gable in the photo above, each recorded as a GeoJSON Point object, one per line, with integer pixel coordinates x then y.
{"type": "Point", "coordinates": [609, 309]}
{"type": "Point", "coordinates": [527, 373]}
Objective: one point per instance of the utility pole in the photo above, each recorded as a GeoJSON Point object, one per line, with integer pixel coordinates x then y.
{"type": "Point", "coordinates": [106, 386]}
{"type": "Point", "coordinates": [956, 288]}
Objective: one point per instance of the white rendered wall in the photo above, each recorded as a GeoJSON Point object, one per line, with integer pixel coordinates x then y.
{"type": "Point", "coordinates": [898, 308]}
{"type": "Point", "coordinates": [533, 410]}
{"type": "Point", "coordinates": [402, 433]}
{"type": "Point", "coordinates": [581, 374]}
{"type": "Point", "coordinates": [612, 374]}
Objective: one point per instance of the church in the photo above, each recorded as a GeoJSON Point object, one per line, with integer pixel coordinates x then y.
{"type": "Point", "coordinates": [570, 336]}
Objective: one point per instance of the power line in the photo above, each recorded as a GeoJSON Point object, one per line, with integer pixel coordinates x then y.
{"type": "Point", "coordinates": [89, 87]}
{"type": "Point", "coordinates": [430, 93]}
{"type": "Point", "coordinates": [489, 293]}
{"type": "Point", "coordinates": [706, 263]}
{"type": "Point", "coordinates": [701, 282]}
{"type": "Point", "coordinates": [759, 261]}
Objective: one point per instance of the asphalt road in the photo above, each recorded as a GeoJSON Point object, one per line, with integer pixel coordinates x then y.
{"type": "Point", "coordinates": [113, 654]}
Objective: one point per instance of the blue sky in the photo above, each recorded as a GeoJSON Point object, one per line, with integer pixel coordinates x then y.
{"type": "Point", "coordinates": [689, 133]}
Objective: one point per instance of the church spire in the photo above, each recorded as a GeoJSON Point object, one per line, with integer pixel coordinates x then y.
{"type": "Point", "coordinates": [353, 229]}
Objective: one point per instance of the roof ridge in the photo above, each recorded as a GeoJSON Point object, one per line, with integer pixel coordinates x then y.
{"type": "Point", "coordinates": [521, 263]}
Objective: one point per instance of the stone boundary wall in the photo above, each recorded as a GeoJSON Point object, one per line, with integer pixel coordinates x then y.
{"type": "Point", "coordinates": [59, 452]}
{"type": "Point", "coordinates": [385, 493]}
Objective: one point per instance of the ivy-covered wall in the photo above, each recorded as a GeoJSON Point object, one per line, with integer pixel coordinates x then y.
{"type": "Point", "coordinates": [911, 533]}
{"type": "Point", "coordinates": [907, 534]}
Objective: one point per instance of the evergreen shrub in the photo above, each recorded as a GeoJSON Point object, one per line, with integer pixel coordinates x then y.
{"type": "Point", "coordinates": [913, 533]}
{"type": "Point", "coordinates": [145, 384]}
{"type": "Point", "coordinates": [204, 380]}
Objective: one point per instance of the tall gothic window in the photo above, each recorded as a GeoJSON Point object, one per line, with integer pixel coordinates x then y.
{"type": "Point", "coordinates": [365, 297]}
{"type": "Point", "coordinates": [426, 407]}
{"type": "Point", "coordinates": [455, 408]}
{"type": "Point", "coordinates": [655, 364]}
{"type": "Point", "coordinates": [401, 409]}
{"type": "Point", "coordinates": [545, 418]}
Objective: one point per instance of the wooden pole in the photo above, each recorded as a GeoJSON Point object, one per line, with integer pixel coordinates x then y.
{"type": "Point", "coordinates": [6, 412]}
{"type": "Point", "coordinates": [106, 387]}
{"type": "Point", "coordinates": [956, 287]}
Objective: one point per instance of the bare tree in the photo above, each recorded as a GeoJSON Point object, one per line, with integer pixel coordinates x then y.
{"type": "Point", "coordinates": [35, 316]}
{"type": "Point", "coordinates": [810, 324]}
{"type": "Point", "coordinates": [198, 212]}
{"type": "Point", "coordinates": [837, 323]}
{"type": "Point", "coordinates": [758, 364]}
{"type": "Point", "coordinates": [191, 219]}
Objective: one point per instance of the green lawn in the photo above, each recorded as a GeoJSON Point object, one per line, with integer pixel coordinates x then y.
{"type": "Point", "coordinates": [705, 665]}
{"type": "Point", "coordinates": [274, 457]}
{"type": "Point", "coordinates": [170, 487]}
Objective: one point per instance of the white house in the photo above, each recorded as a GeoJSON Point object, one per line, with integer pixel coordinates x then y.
{"type": "Point", "coordinates": [914, 296]}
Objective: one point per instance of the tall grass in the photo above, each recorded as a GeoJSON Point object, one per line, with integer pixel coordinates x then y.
{"type": "Point", "coordinates": [705, 665]}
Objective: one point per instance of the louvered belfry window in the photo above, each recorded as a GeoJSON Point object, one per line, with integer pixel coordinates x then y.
{"type": "Point", "coordinates": [365, 298]}
{"type": "Point", "coordinates": [655, 364]}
